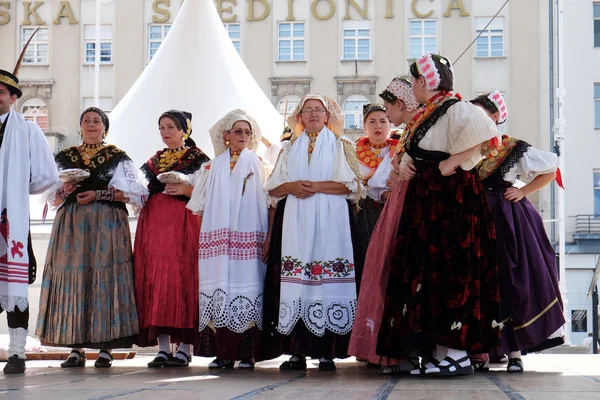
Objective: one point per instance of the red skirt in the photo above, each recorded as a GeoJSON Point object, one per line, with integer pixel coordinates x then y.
{"type": "Point", "coordinates": [363, 343]}
{"type": "Point", "coordinates": [166, 271]}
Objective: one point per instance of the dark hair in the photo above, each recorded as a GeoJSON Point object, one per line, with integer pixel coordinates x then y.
{"type": "Point", "coordinates": [442, 64]}
{"type": "Point", "coordinates": [368, 109]}
{"type": "Point", "coordinates": [102, 115]}
{"type": "Point", "coordinates": [484, 101]}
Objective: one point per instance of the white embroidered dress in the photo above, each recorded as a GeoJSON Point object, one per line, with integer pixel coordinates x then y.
{"type": "Point", "coordinates": [317, 272]}
{"type": "Point", "coordinates": [234, 226]}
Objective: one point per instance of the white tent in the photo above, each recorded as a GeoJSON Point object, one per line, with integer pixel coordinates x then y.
{"type": "Point", "coordinates": [196, 69]}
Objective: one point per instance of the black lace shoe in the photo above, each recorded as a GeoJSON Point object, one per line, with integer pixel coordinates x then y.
{"type": "Point", "coordinates": [294, 365]}
{"type": "Point", "coordinates": [327, 365]}
{"type": "Point", "coordinates": [103, 362]}
{"type": "Point", "coordinates": [178, 362]}
{"type": "Point", "coordinates": [15, 365]}
{"type": "Point", "coordinates": [76, 359]}
{"type": "Point", "coordinates": [160, 361]}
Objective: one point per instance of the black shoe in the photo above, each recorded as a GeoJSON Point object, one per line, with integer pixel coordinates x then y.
{"type": "Point", "coordinates": [515, 366]}
{"type": "Point", "coordinates": [327, 365]}
{"type": "Point", "coordinates": [178, 362]}
{"type": "Point", "coordinates": [103, 362]}
{"type": "Point", "coordinates": [160, 361]}
{"type": "Point", "coordinates": [15, 365]}
{"type": "Point", "coordinates": [217, 363]}
{"type": "Point", "coordinates": [298, 365]}
{"type": "Point", "coordinates": [73, 361]}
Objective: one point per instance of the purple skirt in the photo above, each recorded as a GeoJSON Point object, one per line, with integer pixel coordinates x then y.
{"type": "Point", "coordinates": [531, 307]}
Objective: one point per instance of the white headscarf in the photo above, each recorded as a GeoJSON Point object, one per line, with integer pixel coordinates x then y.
{"type": "Point", "coordinates": [225, 124]}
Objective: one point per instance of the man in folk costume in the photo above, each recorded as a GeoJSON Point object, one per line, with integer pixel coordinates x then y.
{"type": "Point", "coordinates": [26, 167]}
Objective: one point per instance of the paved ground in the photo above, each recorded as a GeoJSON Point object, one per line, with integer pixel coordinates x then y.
{"type": "Point", "coordinates": [549, 377]}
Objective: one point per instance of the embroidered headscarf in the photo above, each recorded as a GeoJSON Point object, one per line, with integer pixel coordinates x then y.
{"type": "Point", "coordinates": [335, 122]}
{"type": "Point", "coordinates": [225, 124]}
{"type": "Point", "coordinates": [400, 89]}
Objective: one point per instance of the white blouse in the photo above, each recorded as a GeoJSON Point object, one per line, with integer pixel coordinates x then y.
{"type": "Point", "coordinates": [533, 163]}
{"type": "Point", "coordinates": [342, 172]}
{"type": "Point", "coordinates": [125, 179]}
{"type": "Point", "coordinates": [463, 127]}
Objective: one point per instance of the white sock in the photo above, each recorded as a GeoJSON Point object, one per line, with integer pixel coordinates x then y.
{"type": "Point", "coordinates": [164, 344]}
{"type": "Point", "coordinates": [17, 339]}
{"type": "Point", "coordinates": [514, 354]}
{"type": "Point", "coordinates": [184, 348]}
{"type": "Point", "coordinates": [323, 359]}
{"type": "Point", "coordinates": [76, 355]}
{"type": "Point", "coordinates": [104, 354]}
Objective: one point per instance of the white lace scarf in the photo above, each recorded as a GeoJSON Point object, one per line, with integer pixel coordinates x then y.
{"type": "Point", "coordinates": [317, 271]}
{"type": "Point", "coordinates": [234, 227]}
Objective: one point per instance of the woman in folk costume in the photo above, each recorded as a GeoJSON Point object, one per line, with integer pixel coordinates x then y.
{"type": "Point", "coordinates": [374, 152]}
{"type": "Point", "coordinates": [531, 308]}
{"type": "Point", "coordinates": [402, 109]}
{"type": "Point", "coordinates": [166, 244]}
{"type": "Point", "coordinates": [234, 226]}
{"type": "Point", "coordinates": [26, 167]}
{"type": "Point", "coordinates": [87, 298]}
{"type": "Point", "coordinates": [442, 291]}
{"type": "Point", "coordinates": [310, 291]}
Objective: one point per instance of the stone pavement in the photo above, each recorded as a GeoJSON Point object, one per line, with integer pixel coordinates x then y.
{"type": "Point", "coordinates": [548, 377]}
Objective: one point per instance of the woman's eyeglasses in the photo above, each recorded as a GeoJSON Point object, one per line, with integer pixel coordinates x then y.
{"type": "Point", "coordinates": [240, 132]}
{"type": "Point", "coordinates": [316, 111]}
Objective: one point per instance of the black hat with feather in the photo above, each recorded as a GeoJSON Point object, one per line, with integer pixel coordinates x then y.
{"type": "Point", "coordinates": [10, 80]}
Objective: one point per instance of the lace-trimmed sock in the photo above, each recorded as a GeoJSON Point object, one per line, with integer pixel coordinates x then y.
{"type": "Point", "coordinates": [183, 348]}
{"type": "Point", "coordinates": [164, 344]}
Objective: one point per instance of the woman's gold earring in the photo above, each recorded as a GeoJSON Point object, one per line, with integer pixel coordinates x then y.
{"type": "Point", "coordinates": [227, 143]}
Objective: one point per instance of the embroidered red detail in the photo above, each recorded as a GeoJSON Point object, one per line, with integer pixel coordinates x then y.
{"type": "Point", "coordinates": [16, 249]}
{"type": "Point", "coordinates": [236, 245]}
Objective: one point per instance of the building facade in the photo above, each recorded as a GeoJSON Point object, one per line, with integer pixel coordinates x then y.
{"type": "Point", "coordinates": [349, 50]}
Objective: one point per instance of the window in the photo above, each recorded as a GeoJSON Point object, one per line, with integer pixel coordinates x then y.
{"type": "Point", "coordinates": [596, 24]}
{"type": "Point", "coordinates": [104, 103]}
{"type": "Point", "coordinates": [578, 321]}
{"type": "Point", "coordinates": [353, 111]}
{"type": "Point", "coordinates": [597, 105]}
{"type": "Point", "coordinates": [357, 41]}
{"type": "Point", "coordinates": [597, 192]}
{"type": "Point", "coordinates": [234, 34]}
{"type": "Point", "coordinates": [422, 37]}
{"type": "Point", "coordinates": [491, 41]}
{"type": "Point", "coordinates": [36, 110]}
{"type": "Point", "coordinates": [106, 35]}
{"type": "Point", "coordinates": [37, 52]}
{"type": "Point", "coordinates": [157, 34]}
{"type": "Point", "coordinates": [292, 102]}
{"type": "Point", "coordinates": [291, 41]}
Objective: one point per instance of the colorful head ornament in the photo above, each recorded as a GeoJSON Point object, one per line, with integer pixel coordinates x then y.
{"type": "Point", "coordinates": [437, 71]}
{"type": "Point", "coordinates": [400, 89]}
{"type": "Point", "coordinates": [496, 98]}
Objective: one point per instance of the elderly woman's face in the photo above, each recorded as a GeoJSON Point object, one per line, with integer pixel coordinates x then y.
{"type": "Point", "coordinates": [239, 135]}
{"type": "Point", "coordinates": [92, 128]}
{"type": "Point", "coordinates": [170, 134]}
{"type": "Point", "coordinates": [314, 115]}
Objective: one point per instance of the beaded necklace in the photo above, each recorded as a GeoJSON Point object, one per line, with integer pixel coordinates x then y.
{"type": "Point", "coordinates": [313, 138]}
{"type": "Point", "coordinates": [88, 151]}
{"type": "Point", "coordinates": [170, 157]}
{"type": "Point", "coordinates": [235, 155]}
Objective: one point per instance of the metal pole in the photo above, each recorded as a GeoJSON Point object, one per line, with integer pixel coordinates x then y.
{"type": "Point", "coordinates": [595, 320]}
{"type": "Point", "coordinates": [97, 58]}
{"type": "Point", "coordinates": [559, 137]}
{"type": "Point", "coordinates": [552, 82]}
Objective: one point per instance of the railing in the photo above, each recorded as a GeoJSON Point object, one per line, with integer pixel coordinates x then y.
{"type": "Point", "coordinates": [587, 224]}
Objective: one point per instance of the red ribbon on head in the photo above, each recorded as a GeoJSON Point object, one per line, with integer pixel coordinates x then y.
{"type": "Point", "coordinates": [559, 180]}
{"type": "Point", "coordinates": [458, 96]}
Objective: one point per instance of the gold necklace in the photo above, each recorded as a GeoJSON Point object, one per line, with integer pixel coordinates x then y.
{"type": "Point", "coordinates": [235, 155]}
{"type": "Point", "coordinates": [88, 151]}
{"type": "Point", "coordinates": [170, 157]}
{"type": "Point", "coordinates": [313, 138]}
